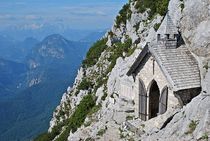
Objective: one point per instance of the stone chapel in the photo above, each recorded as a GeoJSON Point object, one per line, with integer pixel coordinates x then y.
{"type": "Point", "coordinates": [165, 73]}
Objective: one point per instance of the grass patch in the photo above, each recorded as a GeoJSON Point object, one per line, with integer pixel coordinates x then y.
{"type": "Point", "coordinates": [85, 84]}
{"type": "Point", "coordinates": [206, 66]}
{"type": "Point", "coordinates": [156, 26]}
{"type": "Point", "coordinates": [71, 124]}
{"type": "Point", "coordinates": [117, 51]}
{"type": "Point", "coordinates": [101, 81]}
{"type": "Point", "coordinates": [142, 125]}
{"type": "Point", "coordinates": [124, 14]}
{"type": "Point", "coordinates": [192, 127]}
{"type": "Point", "coordinates": [51, 135]}
{"type": "Point", "coordinates": [89, 139]}
{"type": "Point", "coordinates": [104, 96]}
{"type": "Point", "coordinates": [129, 117]}
{"type": "Point", "coordinates": [95, 109]}
{"type": "Point", "coordinates": [137, 26]}
{"type": "Point", "coordinates": [205, 137]}
{"type": "Point", "coordinates": [155, 6]}
{"type": "Point", "coordinates": [87, 123]}
{"type": "Point", "coordinates": [101, 132]}
{"type": "Point", "coordinates": [94, 53]}
{"type": "Point", "coordinates": [182, 6]}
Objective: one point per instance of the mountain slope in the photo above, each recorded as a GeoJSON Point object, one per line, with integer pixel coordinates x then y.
{"type": "Point", "coordinates": [11, 49]}
{"type": "Point", "coordinates": [12, 75]}
{"type": "Point", "coordinates": [49, 58]}
{"type": "Point", "coordinates": [51, 66]}
{"type": "Point", "coordinates": [105, 67]}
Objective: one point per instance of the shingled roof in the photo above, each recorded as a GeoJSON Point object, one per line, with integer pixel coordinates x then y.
{"type": "Point", "coordinates": [178, 65]}
{"type": "Point", "coordinates": [167, 26]}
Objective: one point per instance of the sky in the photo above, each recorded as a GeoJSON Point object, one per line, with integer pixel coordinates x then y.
{"type": "Point", "coordinates": [74, 14]}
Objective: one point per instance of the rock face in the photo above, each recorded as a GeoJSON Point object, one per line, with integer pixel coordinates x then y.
{"type": "Point", "coordinates": [115, 118]}
{"type": "Point", "coordinates": [195, 26]}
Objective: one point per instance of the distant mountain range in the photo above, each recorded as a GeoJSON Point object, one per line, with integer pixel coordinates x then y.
{"type": "Point", "coordinates": [12, 74]}
{"type": "Point", "coordinates": [54, 58]}
{"type": "Point", "coordinates": [11, 49]}
{"type": "Point", "coordinates": [72, 34]}
{"type": "Point", "coordinates": [93, 36]}
{"type": "Point", "coordinates": [33, 76]}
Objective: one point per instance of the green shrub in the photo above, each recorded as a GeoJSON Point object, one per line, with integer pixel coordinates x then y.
{"type": "Point", "coordinates": [43, 137]}
{"type": "Point", "coordinates": [101, 132]}
{"type": "Point", "coordinates": [111, 34]}
{"type": "Point", "coordinates": [100, 81]}
{"type": "Point", "coordinates": [105, 93]}
{"type": "Point", "coordinates": [142, 125]}
{"type": "Point", "coordinates": [205, 137]}
{"type": "Point", "coordinates": [117, 51]}
{"type": "Point", "coordinates": [94, 53]}
{"type": "Point", "coordinates": [74, 122]}
{"type": "Point", "coordinates": [85, 84]}
{"type": "Point", "coordinates": [124, 14]}
{"type": "Point", "coordinates": [78, 117]}
{"type": "Point", "coordinates": [156, 26]}
{"type": "Point", "coordinates": [137, 26]}
{"type": "Point", "coordinates": [95, 109]}
{"type": "Point", "coordinates": [162, 6]}
{"type": "Point", "coordinates": [182, 6]}
{"type": "Point", "coordinates": [140, 6]}
{"type": "Point", "coordinates": [51, 135]}
{"type": "Point", "coordinates": [77, 92]}
{"type": "Point", "coordinates": [104, 96]}
{"type": "Point", "coordinates": [89, 139]}
{"type": "Point", "coordinates": [86, 124]}
{"type": "Point", "coordinates": [129, 117]}
{"type": "Point", "coordinates": [192, 127]}
{"type": "Point", "coordinates": [155, 6]}
{"type": "Point", "coordinates": [130, 51]}
{"type": "Point", "coordinates": [131, 139]}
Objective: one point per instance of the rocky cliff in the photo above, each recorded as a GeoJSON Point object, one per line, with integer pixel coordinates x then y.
{"type": "Point", "coordinates": [94, 109]}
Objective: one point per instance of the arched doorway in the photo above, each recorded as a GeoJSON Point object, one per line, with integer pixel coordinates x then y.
{"type": "Point", "coordinates": [142, 101]}
{"type": "Point", "coordinates": [154, 94]}
{"type": "Point", "coordinates": [163, 100]}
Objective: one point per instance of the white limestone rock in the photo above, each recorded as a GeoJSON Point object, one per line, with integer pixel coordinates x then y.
{"type": "Point", "coordinates": [99, 94]}
{"type": "Point", "coordinates": [195, 26]}
{"type": "Point", "coordinates": [69, 89]}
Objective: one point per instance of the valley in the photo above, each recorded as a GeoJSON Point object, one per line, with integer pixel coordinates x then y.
{"type": "Point", "coordinates": [32, 79]}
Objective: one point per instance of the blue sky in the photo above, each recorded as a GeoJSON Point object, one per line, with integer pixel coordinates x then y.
{"type": "Point", "coordinates": [75, 14]}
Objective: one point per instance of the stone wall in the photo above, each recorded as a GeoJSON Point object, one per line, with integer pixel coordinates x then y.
{"type": "Point", "coordinates": [147, 74]}
{"type": "Point", "coordinates": [126, 89]}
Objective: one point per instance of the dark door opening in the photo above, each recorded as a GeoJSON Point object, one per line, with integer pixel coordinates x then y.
{"type": "Point", "coordinates": [154, 95]}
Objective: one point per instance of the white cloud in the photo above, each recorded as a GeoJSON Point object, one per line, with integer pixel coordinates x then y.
{"type": "Point", "coordinates": [85, 11]}
{"type": "Point", "coordinates": [5, 16]}
{"type": "Point", "coordinates": [32, 17]}
{"type": "Point", "coordinates": [32, 26]}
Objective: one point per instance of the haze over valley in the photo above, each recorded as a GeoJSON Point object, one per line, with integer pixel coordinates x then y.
{"type": "Point", "coordinates": [42, 45]}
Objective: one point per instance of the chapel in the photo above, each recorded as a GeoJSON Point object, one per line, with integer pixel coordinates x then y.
{"type": "Point", "coordinates": [165, 73]}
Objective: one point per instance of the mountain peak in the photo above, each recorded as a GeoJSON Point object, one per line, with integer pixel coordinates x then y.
{"type": "Point", "coordinates": [55, 37]}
